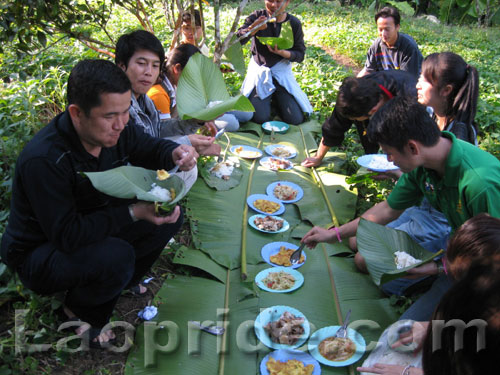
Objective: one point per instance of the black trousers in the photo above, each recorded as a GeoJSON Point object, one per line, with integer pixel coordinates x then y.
{"type": "Point", "coordinates": [287, 107]}
{"type": "Point", "coordinates": [94, 276]}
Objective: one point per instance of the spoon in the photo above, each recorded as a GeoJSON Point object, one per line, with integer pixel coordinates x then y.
{"type": "Point", "coordinates": [295, 257]}
{"type": "Point", "coordinates": [214, 330]}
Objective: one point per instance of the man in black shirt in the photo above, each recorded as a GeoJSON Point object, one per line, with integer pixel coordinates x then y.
{"type": "Point", "coordinates": [392, 49]}
{"type": "Point", "coordinates": [358, 99]}
{"type": "Point", "coordinates": [65, 236]}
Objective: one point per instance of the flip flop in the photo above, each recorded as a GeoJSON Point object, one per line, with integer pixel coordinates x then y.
{"type": "Point", "coordinates": [136, 291]}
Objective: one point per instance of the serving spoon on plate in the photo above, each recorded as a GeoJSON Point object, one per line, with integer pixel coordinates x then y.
{"type": "Point", "coordinates": [295, 257]}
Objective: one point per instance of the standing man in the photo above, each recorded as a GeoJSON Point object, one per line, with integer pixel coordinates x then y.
{"type": "Point", "coordinates": [457, 178]}
{"type": "Point", "coordinates": [392, 49]}
{"type": "Point", "coordinates": [65, 236]}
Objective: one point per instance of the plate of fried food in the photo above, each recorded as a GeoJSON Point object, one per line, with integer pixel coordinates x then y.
{"type": "Point", "coordinates": [336, 351]}
{"type": "Point", "coordinates": [282, 327]}
{"type": "Point", "coordinates": [276, 164]}
{"type": "Point", "coordinates": [279, 280]}
{"type": "Point", "coordinates": [265, 204]}
{"type": "Point", "coordinates": [278, 254]}
{"type": "Point", "coordinates": [288, 361]}
{"type": "Point", "coordinates": [281, 151]}
{"type": "Point", "coordinates": [285, 191]}
{"type": "Point", "coordinates": [268, 223]}
{"type": "Point", "coordinates": [246, 152]}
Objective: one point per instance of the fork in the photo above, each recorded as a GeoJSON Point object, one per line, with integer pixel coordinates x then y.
{"type": "Point", "coordinates": [295, 257]}
{"type": "Point", "coordinates": [342, 331]}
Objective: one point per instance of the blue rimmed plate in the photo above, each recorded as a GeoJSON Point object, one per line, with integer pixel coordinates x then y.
{"type": "Point", "coordinates": [285, 355]}
{"type": "Point", "coordinates": [278, 150]}
{"type": "Point", "coordinates": [298, 197]}
{"type": "Point", "coordinates": [299, 279]}
{"type": "Point", "coordinates": [272, 314]}
{"type": "Point", "coordinates": [284, 228]}
{"type": "Point", "coordinates": [326, 332]}
{"type": "Point", "coordinates": [252, 198]}
{"type": "Point", "coordinates": [276, 164]}
{"type": "Point", "coordinates": [246, 152]}
{"type": "Point", "coordinates": [273, 248]}
{"type": "Point", "coordinates": [278, 127]}
{"type": "Point", "coordinates": [376, 162]}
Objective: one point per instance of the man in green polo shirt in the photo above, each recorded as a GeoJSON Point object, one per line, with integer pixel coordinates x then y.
{"type": "Point", "coordinates": [456, 177]}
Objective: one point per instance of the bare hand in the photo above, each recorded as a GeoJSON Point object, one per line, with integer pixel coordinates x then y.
{"type": "Point", "coordinates": [280, 52]}
{"type": "Point", "coordinates": [185, 157]}
{"type": "Point", "coordinates": [311, 162]}
{"type": "Point", "coordinates": [256, 22]}
{"type": "Point", "coordinates": [416, 335]}
{"type": "Point", "coordinates": [395, 175]}
{"type": "Point", "coordinates": [146, 211]}
{"type": "Point", "coordinates": [316, 235]}
{"type": "Point", "coordinates": [381, 368]}
{"type": "Point", "coordinates": [424, 270]}
{"type": "Point", "coordinates": [204, 145]}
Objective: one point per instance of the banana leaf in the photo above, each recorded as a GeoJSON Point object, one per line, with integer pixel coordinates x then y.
{"type": "Point", "coordinates": [200, 86]}
{"type": "Point", "coordinates": [234, 55]}
{"type": "Point", "coordinates": [216, 182]}
{"type": "Point", "coordinates": [378, 243]}
{"type": "Point", "coordinates": [135, 182]}
{"type": "Point", "coordinates": [284, 41]}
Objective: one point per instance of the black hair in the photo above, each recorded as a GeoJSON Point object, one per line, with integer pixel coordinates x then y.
{"type": "Point", "coordinates": [91, 78]}
{"type": "Point", "coordinates": [448, 68]}
{"type": "Point", "coordinates": [402, 119]}
{"type": "Point", "coordinates": [387, 12]}
{"type": "Point", "coordinates": [186, 17]}
{"type": "Point", "coordinates": [357, 96]}
{"type": "Point", "coordinates": [128, 44]}
{"type": "Point", "coordinates": [180, 55]}
{"type": "Point", "coordinates": [473, 303]}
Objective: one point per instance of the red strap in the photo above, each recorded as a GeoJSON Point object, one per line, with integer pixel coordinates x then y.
{"type": "Point", "coordinates": [386, 92]}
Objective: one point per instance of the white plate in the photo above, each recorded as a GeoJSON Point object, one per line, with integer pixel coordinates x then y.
{"type": "Point", "coordinates": [285, 355]}
{"type": "Point", "coordinates": [245, 148]}
{"type": "Point", "coordinates": [272, 148]}
{"type": "Point", "coordinates": [265, 162]}
{"type": "Point", "coordinates": [272, 314]}
{"type": "Point", "coordinates": [299, 279]}
{"type": "Point", "coordinates": [372, 159]}
{"type": "Point", "coordinates": [326, 332]}
{"type": "Point", "coordinates": [252, 198]}
{"type": "Point", "coordinates": [300, 192]}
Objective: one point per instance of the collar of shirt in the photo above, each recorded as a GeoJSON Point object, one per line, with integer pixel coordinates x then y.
{"type": "Point", "coordinates": [66, 129]}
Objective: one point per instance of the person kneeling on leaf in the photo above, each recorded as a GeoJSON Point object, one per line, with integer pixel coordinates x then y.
{"type": "Point", "coordinates": [65, 236]}
{"type": "Point", "coordinates": [457, 178]}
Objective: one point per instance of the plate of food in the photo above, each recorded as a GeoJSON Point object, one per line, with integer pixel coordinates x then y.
{"type": "Point", "coordinates": [276, 126]}
{"type": "Point", "coordinates": [285, 191]}
{"type": "Point", "coordinates": [279, 280]}
{"type": "Point", "coordinates": [268, 223]}
{"type": "Point", "coordinates": [376, 162]}
{"type": "Point", "coordinates": [276, 164]}
{"type": "Point", "coordinates": [281, 151]}
{"type": "Point", "coordinates": [278, 254]}
{"type": "Point", "coordinates": [265, 204]}
{"type": "Point", "coordinates": [336, 351]}
{"type": "Point", "coordinates": [287, 361]}
{"type": "Point", "coordinates": [282, 327]}
{"type": "Point", "coordinates": [246, 152]}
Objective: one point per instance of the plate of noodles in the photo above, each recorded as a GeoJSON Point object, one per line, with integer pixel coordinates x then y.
{"type": "Point", "coordinates": [288, 361]}
{"type": "Point", "coordinates": [279, 280]}
{"type": "Point", "coordinates": [281, 151]}
{"type": "Point", "coordinates": [285, 191]}
{"type": "Point", "coordinates": [336, 351]}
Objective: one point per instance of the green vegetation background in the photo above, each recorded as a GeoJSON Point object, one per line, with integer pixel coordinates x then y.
{"type": "Point", "coordinates": [33, 91]}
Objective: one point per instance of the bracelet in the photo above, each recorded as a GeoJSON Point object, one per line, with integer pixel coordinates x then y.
{"type": "Point", "coordinates": [443, 260]}
{"type": "Point", "coordinates": [336, 231]}
{"type": "Point", "coordinates": [406, 370]}
{"type": "Point", "coordinates": [131, 212]}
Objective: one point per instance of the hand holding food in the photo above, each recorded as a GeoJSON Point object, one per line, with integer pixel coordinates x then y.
{"type": "Point", "coordinates": [185, 157]}
{"type": "Point", "coordinates": [146, 211]}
